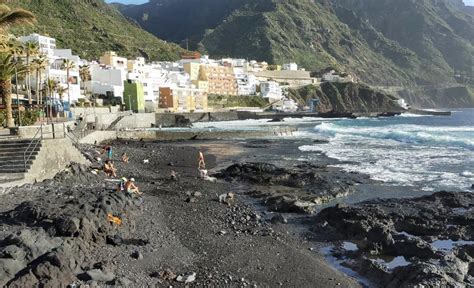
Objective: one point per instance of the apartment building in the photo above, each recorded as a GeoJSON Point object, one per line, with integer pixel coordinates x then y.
{"type": "Point", "coordinates": [221, 80]}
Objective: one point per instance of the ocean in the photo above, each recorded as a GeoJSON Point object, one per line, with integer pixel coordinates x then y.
{"type": "Point", "coordinates": [430, 153]}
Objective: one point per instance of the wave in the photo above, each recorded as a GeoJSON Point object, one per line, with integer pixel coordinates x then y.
{"type": "Point", "coordinates": [417, 134]}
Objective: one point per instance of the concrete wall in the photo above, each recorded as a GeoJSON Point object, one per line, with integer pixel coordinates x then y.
{"type": "Point", "coordinates": [99, 136]}
{"type": "Point", "coordinates": [202, 135]}
{"type": "Point", "coordinates": [28, 132]}
{"type": "Point", "coordinates": [54, 156]}
{"type": "Point", "coordinates": [142, 120]}
{"type": "Point", "coordinates": [91, 112]}
{"type": "Point", "coordinates": [168, 119]}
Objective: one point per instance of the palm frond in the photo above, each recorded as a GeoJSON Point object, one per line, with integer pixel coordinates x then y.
{"type": "Point", "coordinates": [16, 17]}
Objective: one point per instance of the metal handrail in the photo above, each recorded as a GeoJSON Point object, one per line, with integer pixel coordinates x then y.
{"type": "Point", "coordinates": [26, 159]}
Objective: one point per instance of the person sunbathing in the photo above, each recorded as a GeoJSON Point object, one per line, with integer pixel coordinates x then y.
{"type": "Point", "coordinates": [125, 158]}
{"type": "Point", "coordinates": [131, 188]}
{"type": "Point", "coordinates": [109, 169]}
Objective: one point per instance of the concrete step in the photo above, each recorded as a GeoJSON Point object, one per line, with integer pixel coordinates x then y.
{"type": "Point", "coordinates": [8, 163]}
{"type": "Point", "coordinates": [22, 149]}
{"type": "Point", "coordinates": [13, 166]}
{"type": "Point", "coordinates": [16, 153]}
{"type": "Point", "coordinates": [13, 170]}
{"type": "Point", "coordinates": [18, 144]}
{"type": "Point", "coordinates": [5, 178]}
{"type": "Point", "coordinates": [16, 157]}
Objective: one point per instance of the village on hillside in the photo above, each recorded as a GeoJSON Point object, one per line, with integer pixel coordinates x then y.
{"type": "Point", "coordinates": [181, 86]}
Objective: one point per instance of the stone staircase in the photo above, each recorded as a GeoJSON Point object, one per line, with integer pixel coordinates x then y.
{"type": "Point", "coordinates": [12, 157]}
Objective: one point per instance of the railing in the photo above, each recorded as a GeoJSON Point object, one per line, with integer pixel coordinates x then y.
{"type": "Point", "coordinates": [35, 142]}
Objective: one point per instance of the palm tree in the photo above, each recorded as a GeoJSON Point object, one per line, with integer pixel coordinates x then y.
{"type": "Point", "coordinates": [31, 49]}
{"type": "Point", "coordinates": [61, 90]}
{"type": "Point", "coordinates": [8, 68]}
{"type": "Point", "coordinates": [40, 64]}
{"type": "Point", "coordinates": [15, 48]}
{"type": "Point", "coordinates": [10, 17]}
{"type": "Point", "coordinates": [68, 65]}
{"type": "Point", "coordinates": [85, 74]}
{"type": "Point", "coordinates": [50, 86]}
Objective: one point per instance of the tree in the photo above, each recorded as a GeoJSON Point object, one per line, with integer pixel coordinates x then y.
{"type": "Point", "coordinates": [31, 49]}
{"type": "Point", "coordinates": [8, 68]}
{"type": "Point", "coordinates": [40, 64]}
{"type": "Point", "coordinates": [50, 86]}
{"type": "Point", "coordinates": [10, 17]}
{"type": "Point", "coordinates": [61, 90]}
{"type": "Point", "coordinates": [68, 65]}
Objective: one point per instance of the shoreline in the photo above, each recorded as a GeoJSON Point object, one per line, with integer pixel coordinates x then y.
{"type": "Point", "coordinates": [180, 227]}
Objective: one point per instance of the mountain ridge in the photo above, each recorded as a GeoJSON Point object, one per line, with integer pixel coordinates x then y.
{"type": "Point", "coordinates": [350, 35]}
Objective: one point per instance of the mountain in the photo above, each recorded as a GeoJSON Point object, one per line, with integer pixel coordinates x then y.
{"type": "Point", "coordinates": [91, 27]}
{"type": "Point", "coordinates": [403, 43]}
{"type": "Point", "coordinates": [181, 21]}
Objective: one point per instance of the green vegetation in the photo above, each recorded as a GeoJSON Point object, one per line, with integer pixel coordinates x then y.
{"type": "Point", "coordinates": [91, 27]}
{"type": "Point", "coordinates": [381, 42]}
{"type": "Point", "coordinates": [225, 101]}
{"type": "Point", "coordinates": [346, 98]}
{"type": "Point", "coordinates": [28, 117]}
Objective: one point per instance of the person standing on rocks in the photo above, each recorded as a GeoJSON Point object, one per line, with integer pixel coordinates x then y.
{"type": "Point", "coordinates": [108, 150]}
{"type": "Point", "coordinates": [201, 162]}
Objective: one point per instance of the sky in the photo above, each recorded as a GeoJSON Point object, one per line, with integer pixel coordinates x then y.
{"type": "Point", "coordinates": [468, 2]}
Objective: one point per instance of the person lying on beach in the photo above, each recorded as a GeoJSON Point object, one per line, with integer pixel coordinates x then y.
{"type": "Point", "coordinates": [131, 188]}
{"type": "Point", "coordinates": [201, 162]}
{"type": "Point", "coordinates": [109, 169]}
{"type": "Point", "coordinates": [125, 158]}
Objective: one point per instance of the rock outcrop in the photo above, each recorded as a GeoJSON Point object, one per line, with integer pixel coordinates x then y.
{"type": "Point", "coordinates": [293, 190]}
{"type": "Point", "coordinates": [351, 98]}
{"type": "Point", "coordinates": [429, 240]}
{"type": "Point", "coordinates": [61, 229]}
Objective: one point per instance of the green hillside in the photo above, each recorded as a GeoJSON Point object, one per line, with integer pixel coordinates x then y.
{"type": "Point", "coordinates": [403, 43]}
{"type": "Point", "coordinates": [91, 27]}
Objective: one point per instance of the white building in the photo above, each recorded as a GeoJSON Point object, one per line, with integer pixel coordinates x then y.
{"type": "Point", "coordinates": [55, 69]}
{"type": "Point", "coordinates": [247, 84]}
{"type": "Point", "coordinates": [271, 90]}
{"type": "Point", "coordinates": [106, 80]}
{"type": "Point", "coordinates": [290, 67]}
{"type": "Point", "coordinates": [402, 103]}
{"type": "Point", "coordinates": [46, 44]}
{"type": "Point", "coordinates": [332, 76]}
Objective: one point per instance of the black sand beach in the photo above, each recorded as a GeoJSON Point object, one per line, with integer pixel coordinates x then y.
{"type": "Point", "coordinates": [60, 232]}
{"type": "Point", "coordinates": [177, 228]}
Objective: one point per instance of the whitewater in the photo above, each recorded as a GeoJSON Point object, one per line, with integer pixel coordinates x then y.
{"type": "Point", "coordinates": [432, 153]}
{"type": "Point", "coordinates": [429, 152]}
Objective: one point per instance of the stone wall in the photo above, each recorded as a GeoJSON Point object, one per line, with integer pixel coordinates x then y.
{"type": "Point", "coordinates": [98, 136]}
{"type": "Point", "coordinates": [54, 156]}
{"type": "Point", "coordinates": [142, 120]}
{"type": "Point", "coordinates": [50, 131]}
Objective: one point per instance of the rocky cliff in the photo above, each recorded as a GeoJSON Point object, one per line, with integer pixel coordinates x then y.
{"type": "Point", "coordinates": [347, 98]}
